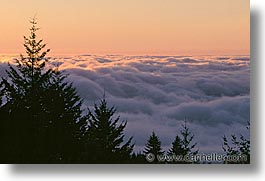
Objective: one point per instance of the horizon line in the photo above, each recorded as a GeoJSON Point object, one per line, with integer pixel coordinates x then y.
{"type": "Point", "coordinates": [128, 54]}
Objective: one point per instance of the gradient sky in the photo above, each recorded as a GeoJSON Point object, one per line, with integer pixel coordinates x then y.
{"type": "Point", "coordinates": [218, 27]}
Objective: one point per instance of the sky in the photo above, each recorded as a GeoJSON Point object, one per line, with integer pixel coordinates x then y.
{"type": "Point", "coordinates": [171, 27]}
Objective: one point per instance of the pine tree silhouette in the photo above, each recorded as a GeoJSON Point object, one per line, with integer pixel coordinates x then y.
{"type": "Point", "coordinates": [153, 148]}
{"type": "Point", "coordinates": [177, 147]}
{"type": "Point", "coordinates": [240, 147]}
{"type": "Point", "coordinates": [104, 137]}
{"type": "Point", "coordinates": [41, 110]}
{"type": "Point", "coordinates": [183, 146]}
{"type": "Point", "coordinates": [23, 104]}
{"type": "Point", "coordinates": [64, 117]}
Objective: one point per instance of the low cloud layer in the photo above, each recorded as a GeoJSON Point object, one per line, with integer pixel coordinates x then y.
{"type": "Point", "coordinates": [156, 93]}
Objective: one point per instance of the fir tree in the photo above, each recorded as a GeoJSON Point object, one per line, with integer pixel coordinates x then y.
{"type": "Point", "coordinates": [240, 148]}
{"type": "Point", "coordinates": [63, 119]}
{"type": "Point", "coordinates": [187, 138]}
{"type": "Point", "coordinates": [22, 90]}
{"type": "Point", "coordinates": [41, 110]}
{"type": "Point", "coordinates": [153, 148]}
{"type": "Point", "coordinates": [104, 137]}
{"type": "Point", "coordinates": [177, 147]}
{"type": "Point", "coordinates": [182, 146]}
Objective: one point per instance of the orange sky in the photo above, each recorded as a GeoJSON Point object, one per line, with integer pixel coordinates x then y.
{"type": "Point", "coordinates": [129, 26]}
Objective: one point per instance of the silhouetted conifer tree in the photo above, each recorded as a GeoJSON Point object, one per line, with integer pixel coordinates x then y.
{"type": "Point", "coordinates": [2, 126]}
{"type": "Point", "coordinates": [104, 137]}
{"type": "Point", "coordinates": [153, 148]}
{"type": "Point", "coordinates": [177, 147]}
{"type": "Point", "coordinates": [240, 149]}
{"type": "Point", "coordinates": [183, 146]}
{"type": "Point", "coordinates": [64, 115]}
{"type": "Point", "coordinates": [41, 109]}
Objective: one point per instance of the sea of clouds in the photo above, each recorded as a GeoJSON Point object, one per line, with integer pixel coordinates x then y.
{"type": "Point", "coordinates": [156, 93]}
